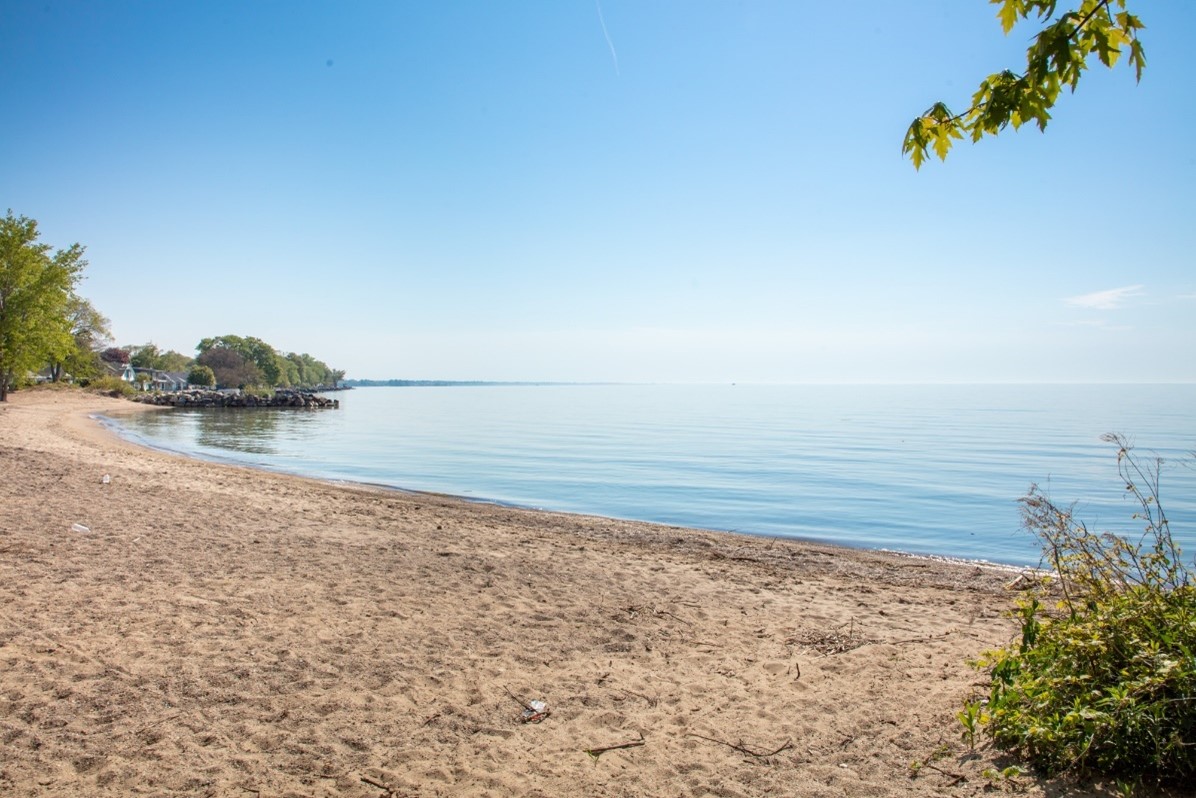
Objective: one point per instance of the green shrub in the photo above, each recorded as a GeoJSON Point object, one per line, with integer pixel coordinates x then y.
{"type": "Point", "coordinates": [1103, 680]}
{"type": "Point", "coordinates": [113, 386]}
{"type": "Point", "coordinates": [203, 376]}
{"type": "Point", "coordinates": [61, 385]}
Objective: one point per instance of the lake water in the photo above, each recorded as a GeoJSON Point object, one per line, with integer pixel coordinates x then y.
{"type": "Point", "coordinates": [921, 469]}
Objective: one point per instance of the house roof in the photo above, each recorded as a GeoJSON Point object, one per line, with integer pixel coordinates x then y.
{"type": "Point", "coordinates": [159, 374]}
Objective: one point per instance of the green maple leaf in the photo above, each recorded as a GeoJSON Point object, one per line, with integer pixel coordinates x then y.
{"type": "Point", "coordinates": [1137, 58]}
{"type": "Point", "coordinates": [1010, 11]}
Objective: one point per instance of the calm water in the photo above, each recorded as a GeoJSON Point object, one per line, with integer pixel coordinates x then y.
{"type": "Point", "coordinates": [923, 469]}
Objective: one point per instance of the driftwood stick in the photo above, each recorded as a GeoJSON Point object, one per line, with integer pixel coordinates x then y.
{"type": "Point", "coordinates": [597, 752]}
{"type": "Point", "coordinates": [373, 783]}
{"type": "Point", "coordinates": [671, 615]}
{"type": "Point", "coordinates": [743, 749]}
{"type": "Point", "coordinates": [926, 639]}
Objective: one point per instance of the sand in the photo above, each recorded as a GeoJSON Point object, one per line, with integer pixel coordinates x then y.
{"type": "Point", "coordinates": [228, 632]}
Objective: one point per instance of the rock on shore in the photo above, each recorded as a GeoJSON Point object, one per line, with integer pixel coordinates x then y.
{"type": "Point", "coordinates": [206, 398]}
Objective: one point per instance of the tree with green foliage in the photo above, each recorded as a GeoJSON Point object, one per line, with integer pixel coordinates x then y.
{"type": "Point", "coordinates": [229, 353]}
{"type": "Point", "coordinates": [1055, 60]}
{"type": "Point", "coordinates": [230, 368]}
{"type": "Point", "coordinates": [148, 356]}
{"type": "Point", "coordinates": [309, 372]}
{"type": "Point", "coordinates": [35, 292]}
{"type": "Point", "coordinates": [144, 356]}
{"type": "Point", "coordinates": [170, 360]}
{"type": "Point", "coordinates": [1103, 678]}
{"type": "Point", "coordinates": [90, 333]}
{"type": "Point", "coordinates": [202, 375]}
{"type": "Point", "coordinates": [252, 350]}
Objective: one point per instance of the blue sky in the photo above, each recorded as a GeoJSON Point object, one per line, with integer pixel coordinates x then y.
{"type": "Point", "coordinates": [630, 191]}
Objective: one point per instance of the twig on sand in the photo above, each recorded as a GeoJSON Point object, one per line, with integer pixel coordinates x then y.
{"type": "Point", "coordinates": [671, 615]}
{"type": "Point", "coordinates": [377, 784]}
{"type": "Point", "coordinates": [742, 748]}
{"type": "Point", "coordinates": [956, 778]}
{"type": "Point", "coordinates": [926, 639]}
{"type": "Point", "coordinates": [652, 702]}
{"type": "Point", "coordinates": [597, 752]}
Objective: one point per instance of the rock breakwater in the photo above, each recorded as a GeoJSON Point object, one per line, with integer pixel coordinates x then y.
{"type": "Point", "coordinates": [201, 398]}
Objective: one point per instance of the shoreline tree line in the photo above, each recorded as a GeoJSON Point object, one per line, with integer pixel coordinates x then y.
{"type": "Point", "coordinates": [49, 331]}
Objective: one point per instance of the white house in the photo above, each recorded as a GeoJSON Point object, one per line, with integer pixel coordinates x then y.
{"type": "Point", "coordinates": [158, 380]}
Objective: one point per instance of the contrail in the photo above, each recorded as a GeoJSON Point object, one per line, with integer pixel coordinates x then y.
{"type": "Point", "coordinates": [613, 55]}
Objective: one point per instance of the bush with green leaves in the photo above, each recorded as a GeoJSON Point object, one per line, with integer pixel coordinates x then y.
{"type": "Point", "coordinates": [202, 375]}
{"type": "Point", "coordinates": [113, 386]}
{"type": "Point", "coordinates": [1103, 679]}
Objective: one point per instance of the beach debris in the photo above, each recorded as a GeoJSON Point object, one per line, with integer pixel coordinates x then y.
{"type": "Point", "coordinates": [1027, 579]}
{"type": "Point", "coordinates": [79, 528]}
{"type": "Point", "coordinates": [745, 749]}
{"type": "Point", "coordinates": [105, 479]}
{"type": "Point", "coordinates": [599, 751]}
{"type": "Point", "coordinates": [534, 711]}
{"type": "Point", "coordinates": [831, 641]}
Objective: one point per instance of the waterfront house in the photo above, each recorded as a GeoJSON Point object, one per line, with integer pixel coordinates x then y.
{"type": "Point", "coordinates": [122, 371]}
{"type": "Point", "coordinates": [159, 380]}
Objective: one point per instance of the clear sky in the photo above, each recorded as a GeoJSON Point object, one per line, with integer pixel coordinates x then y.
{"type": "Point", "coordinates": [632, 190]}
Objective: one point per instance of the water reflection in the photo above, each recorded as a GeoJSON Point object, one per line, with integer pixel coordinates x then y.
{"type": "Point", "coordinates": [240, 430]}
{"type": "Point", "coordinates": [251, 431]}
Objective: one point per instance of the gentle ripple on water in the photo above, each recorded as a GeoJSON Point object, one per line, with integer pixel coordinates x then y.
{"type": "Point", "coordinates": [922, 469]}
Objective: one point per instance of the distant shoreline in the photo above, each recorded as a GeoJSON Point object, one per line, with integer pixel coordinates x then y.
{"type": "Point", "coordinates": [452, 383]}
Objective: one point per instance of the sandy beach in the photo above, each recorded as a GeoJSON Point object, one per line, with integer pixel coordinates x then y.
{"type": "Point", "coordinates": [227, 632]}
